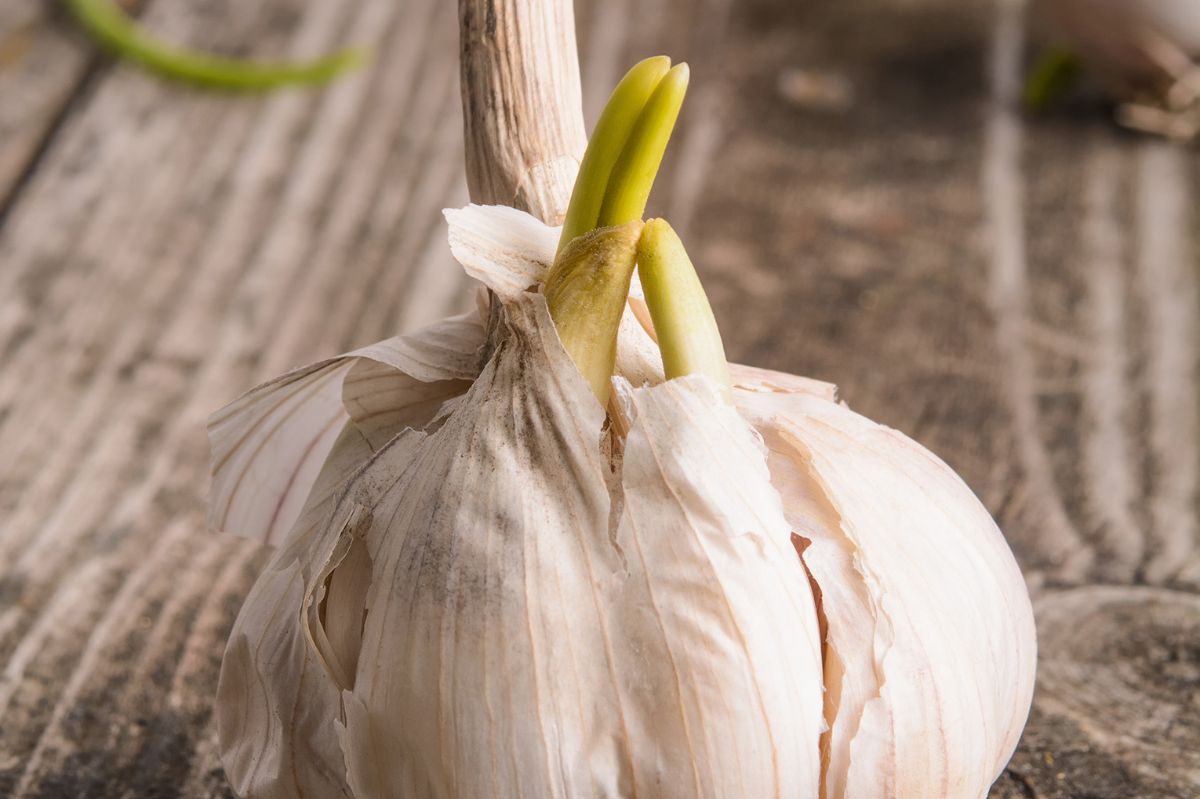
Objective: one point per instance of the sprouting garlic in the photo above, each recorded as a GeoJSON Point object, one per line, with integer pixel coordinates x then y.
{"type": "Point", "coordinates": [487, 586]}
{"type": "Point", "coordinates": [471, 603]}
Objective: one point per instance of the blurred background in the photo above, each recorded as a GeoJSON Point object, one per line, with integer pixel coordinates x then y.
{"type": "Point", "coordinates": [868, 192]}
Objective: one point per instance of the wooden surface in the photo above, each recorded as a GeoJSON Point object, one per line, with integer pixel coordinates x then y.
{"type": "Point", "coordinates": [861, 197]}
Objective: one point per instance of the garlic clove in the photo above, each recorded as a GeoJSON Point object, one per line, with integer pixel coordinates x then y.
{"type": "Point", "coordinates": [931, 650]}
{"type": "Point", "coordinates": [482, 642]}
{"type": "Point", "coordinates": [702, 519]}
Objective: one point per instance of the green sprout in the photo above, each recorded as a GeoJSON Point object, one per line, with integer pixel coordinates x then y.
{"type": "Point", "coordinates": [587, 299]}
{"type": "Point", "coordinates": [683, 320]}
{"type": "Point", "coordinates": [1051, 77]}
{"type": "Point", "coordinates": [607, 141]}
{"type": "Point", "coordinates": [111, 27]}
{"type": "Point", "coordinates": [603, 239]}
{"type": "Point", "coordinates": [634, 172]}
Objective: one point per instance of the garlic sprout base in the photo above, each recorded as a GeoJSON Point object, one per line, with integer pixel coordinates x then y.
{"type": "Point", "coordinates": [474, 595]}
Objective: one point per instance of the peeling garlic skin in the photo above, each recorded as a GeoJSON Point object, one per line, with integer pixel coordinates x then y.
{"type": "Point", "coordinates": [473, 603]}
{"type": "Point", "coordinates": [537, 646]}
{"type": "Point", "coordinates": [530, 631]}
{"type": "Point", "coordinates": [930, 650]}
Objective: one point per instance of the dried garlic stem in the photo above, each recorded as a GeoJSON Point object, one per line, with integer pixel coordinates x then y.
{"type": "Point", "coordinates": [683, 320]}
{"type": "Point", "coordinates": [109, 25]}
{"type": "Point", "coordinates": [624, 106]}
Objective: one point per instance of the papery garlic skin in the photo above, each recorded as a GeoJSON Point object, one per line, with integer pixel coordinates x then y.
{"type": "Point", "coordinates": [536, 625]}
{"type": "Point", "coordinates": [931, 651]}
{"type": "Point", "coordinates": [540, 625]}
{"type": "Point", "coordinates": [526, 638]}
{"type": "Point", "coordinates": [281, 455]}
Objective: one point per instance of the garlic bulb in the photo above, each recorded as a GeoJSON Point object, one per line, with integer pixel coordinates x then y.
{"type": "Point", "coordinates": [468, 601]}
{"type": "Point", "coordinates": [487, 586]}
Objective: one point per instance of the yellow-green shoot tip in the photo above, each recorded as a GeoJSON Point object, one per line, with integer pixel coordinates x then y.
{"type": "Point", "coordinates": [683, 319]}
{"type": "Point", "coordinates": [608, 139]}
{"type": "Point", "coordinates": [634, 172]}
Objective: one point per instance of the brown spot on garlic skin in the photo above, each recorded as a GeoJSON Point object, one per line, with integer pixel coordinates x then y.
{"type": "Point", "coordinates": [832, 692]}
{"type": "Point", "coordinates": [801, 544]}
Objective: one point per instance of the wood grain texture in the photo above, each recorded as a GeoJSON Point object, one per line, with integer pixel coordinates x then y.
{"type": "Point", "coordinates": [861, 196]}
{"type": "Point", "coordinates": [43, 70]}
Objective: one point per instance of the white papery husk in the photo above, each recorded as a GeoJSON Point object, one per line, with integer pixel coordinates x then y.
{"type": "Point", "coordinates": [477, 593]}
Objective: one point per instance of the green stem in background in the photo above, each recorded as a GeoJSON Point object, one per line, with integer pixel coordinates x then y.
{"type": "Point", "coordinates": [634, 172]}
{"type": "Point", "coordinates": [683, 320]}
{"type": "Point", "coordinates": [113, 28]}
{"type": "Point", "coordinates": [608, 139]}
{"type": "Point", "coordinates": [1052, 76]}
{"type": "Point", "coordinates": [586, 294]}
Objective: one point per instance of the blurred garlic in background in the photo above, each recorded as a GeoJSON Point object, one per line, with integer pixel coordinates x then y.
{"type": "Point", "coordinates": [1144, 52]}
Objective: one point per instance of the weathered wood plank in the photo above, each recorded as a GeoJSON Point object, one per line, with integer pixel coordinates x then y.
{"type": "Point", "coordinates": [1115, 662]}
{"type": "Point", "coordinates": [173, 248]}
{"type": "Point", "coordinates": [866, 207]}
{"type": "Point", "coordinates": [43, 68]}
